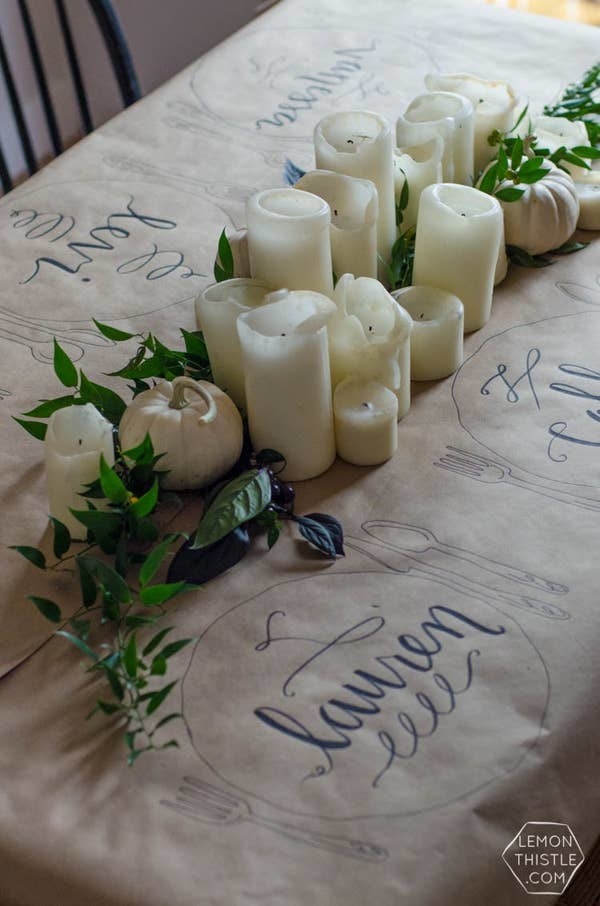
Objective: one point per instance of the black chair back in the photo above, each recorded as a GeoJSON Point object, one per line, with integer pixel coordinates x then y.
{"type": "Point", "coordinates": [120, 61]}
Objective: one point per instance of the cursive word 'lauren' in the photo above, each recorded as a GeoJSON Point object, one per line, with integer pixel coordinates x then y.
{"type": "Point", "coordinates": [376, 686]}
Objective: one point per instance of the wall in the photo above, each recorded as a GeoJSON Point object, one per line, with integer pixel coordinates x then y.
{"type": "Point", "coordinates": [163, 36]}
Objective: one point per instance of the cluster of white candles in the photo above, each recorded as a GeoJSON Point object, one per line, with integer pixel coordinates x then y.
{"type": "Point", "coordinates": [322, 369]}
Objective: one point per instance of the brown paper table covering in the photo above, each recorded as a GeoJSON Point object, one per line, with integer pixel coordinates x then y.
{"type": "Point", "coordinates": [492, 570]}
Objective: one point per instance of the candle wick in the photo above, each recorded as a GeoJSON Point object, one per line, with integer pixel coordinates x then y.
{"type": "Point", "coordinates": [367, 405]}
{"type": "Point", "coordinates": [350, 142]}
{"type": "Point", "coordinates": [283, 335]}
{"type": "Point", "coordinates": [462, 215]}
{"type": "Point", "coordinates": [422, 315]}
{"type": "Point", "coordinates": [79, 441]}
{"type": "Point", "coordinates": [370, 329]}
{"type": "Point", "coordinates": [335, 212]}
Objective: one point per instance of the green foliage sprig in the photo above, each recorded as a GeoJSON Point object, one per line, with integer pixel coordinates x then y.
{"type": "Point", "coordinates": [581, 101]}
{"type": "Point", "coordinates": [115, 626]}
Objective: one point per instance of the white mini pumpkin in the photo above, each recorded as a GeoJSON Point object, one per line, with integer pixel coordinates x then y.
{"type": "Point", "coordinates": [201, 437]}
{"type": "Point", "coordinates": [546, 214]}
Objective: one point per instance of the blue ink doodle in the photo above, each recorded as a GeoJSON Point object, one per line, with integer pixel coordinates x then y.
{"type": "Point", "coordinates": [533, 358]}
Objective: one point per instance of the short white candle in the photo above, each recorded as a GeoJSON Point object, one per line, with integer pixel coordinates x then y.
{"type": "Point", "coordinates": [288, 387]}
{"type": "Point", "coordinates": [457, 246]}
{"type": "Point", "coordinates": [589, 205]}
{"type": "Point", "coordinates": [354, 209]}
{"type": "Point", "coordinates": [419, 166]}
{"type": "Point", "coordinates": [436, 341]}
{"type": "Point", "coordinates": [554, 132]}
{"type": "Point", "coordinates": [288, 240]}
{"type": "Point", "coordinates": [217, 310]}
{"type": "Point", "coordinates": [360, 143]}
{"type": "Point", "coordinates": [366, 415]}
{"type": "Point", "coordinates": [450, 116]}
{"type": "Point", "coordinates": [369, 337]}
{"type": "Point", "coordinates": [75, 438]}
{"type": "Point", "coordinates": [493, 103]}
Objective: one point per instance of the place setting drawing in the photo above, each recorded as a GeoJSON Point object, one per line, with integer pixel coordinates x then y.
{"type": "Point", "coordinates": [337, 697]}
{"type": "Point", "coordinates": [529, 397]}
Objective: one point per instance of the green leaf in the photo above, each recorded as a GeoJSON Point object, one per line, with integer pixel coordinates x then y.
{"type": "Point", "coordinates": [47, 407]}
{"type": "Point", "coordinates": [87, 583]}
{"type": "Point", "coordinates": [532, 163]}
{"type": "Point", "coordinates": [80, 627]}
{"type": "Point", "coordinates": [112, 486]}
{"type": "Point", "coordinates": [157, 698]}
{"type": "Point", "coordinates": [79, 643]}
{"type": "Point", "coordinates": [223, 269]}
{"type": "Point", "coordinates": [489, 179]}
{"type": "Point", "coordinates": [533, 176]}
{"type": "Point", "coordinates": [113, 333]}
{"type": "Point", "coordinates": [62, 537]}
{"type": "Point", "coordinates": [47, 608]}
{"type": "Point", "coordinates": [151, 595]}
{"type": "Point", "coordinates": [567, 248]}
{"type": "Point", "coordinates": [194, 343]}
{"type": "Point", "coordinates": [154, 560]}
{"type": "Point", "coordinates": [522, 116]}
{"type": "Point", "coordinates": [317, 535]}
{"type": "Point", "coordinates": [237, 502]}
{"type": "Point", "coordinates": [516, 154]}
{"type": "Point", "coordinates": [63, 367]}
{"type": "Point", "coordinates": [105, 527]}
{"type": "Point", "coordinates": [502, 163]}
{"type": "Point", "coordinates": [155, 641]}
{"type": "Point", "coordinates": [509, 194]}
{"type": "Point", "coordinates": [32, 554]}
{"type": "Point", "coordinates": [158, 666]}
{"type": "Point", "coordinates": [107, 577]}
{"type": "Point", "coordinates": [107, 707]}
{"type": "Point", "coordinates": [108, 403]}
{"type": "Point", "coordinates": [129, 657]}
{"type": "Point", "coordinates": [587, 152]}
{"type": "Point", "coordinates": [147, 502]}
{"type": "Point", "coordinates": [176, 715]}
{"type": "Point", "coordinates": [143, 453]}
{"type": "Point", "coordinates": [524, 259]}
{"type": "Point", "coordinates": [174, 647]}
{"type": "Point", "coordinates": [133, 620]}
{"type": "Point", "coordinates": [36, 429]}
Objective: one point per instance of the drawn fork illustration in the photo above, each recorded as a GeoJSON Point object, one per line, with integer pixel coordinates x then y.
{"type": "Point", "coordinates": [488, 471]}
{"type": "Point", "coordinates": [203, 802]}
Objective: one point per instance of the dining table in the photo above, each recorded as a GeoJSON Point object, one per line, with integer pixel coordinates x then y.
{"type": "Point", "coordinates": [380, 727]}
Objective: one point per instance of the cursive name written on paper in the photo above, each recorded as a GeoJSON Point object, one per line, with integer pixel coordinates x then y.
{"type": "Point", "coordinates": [577, 387]}
{"type": "Point", "coordinates": [74, 253]}
{"type": "Point", "coordinates": [314, 86]}
{"type": "Point", "coordinates": [380, 688]}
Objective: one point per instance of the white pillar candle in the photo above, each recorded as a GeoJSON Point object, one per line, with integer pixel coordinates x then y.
{"type": "Point", "coordinates": [75, 438]}
{"type": "Point", "coordinates": [288, 388]}
{"type": "Point", "coordinates": [369, 337]}
{"type": "Point", "coordinates": [419, 166]}
{"type": "Point", "coordinates": [493, 103]}
{"type": "Point", "coordinates": [365, 414]}
{"type": "Point", "coordinates": [359, 143]}
{"type": "Point", "coordinates": [288, 240]}
{"type": "Point", "coordinates": [457, 246]}
{"type": "Point", "coordinates": [450, 116]}
{"type": "Point", "coordinates": [354, 209]}
{"type": "Point", "coordinates": [589, 205]}
{"type": "Point", "coordinates": [554, 132]}
{"type": "Point", "coordinates": [436, 341]}
{"type": "Point", "coordinates": [217, 310]}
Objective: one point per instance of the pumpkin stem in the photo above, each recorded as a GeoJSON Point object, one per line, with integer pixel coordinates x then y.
{"type": "Point", "coordinates": [178, 400]}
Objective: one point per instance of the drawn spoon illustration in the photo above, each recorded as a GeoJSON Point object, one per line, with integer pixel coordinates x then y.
{"type": "Point", "coordinates": [391, 557]}
{"type": "Point", "coordinates": [415, 539]}
{"type": "Point", "coordinates": [203, 802]}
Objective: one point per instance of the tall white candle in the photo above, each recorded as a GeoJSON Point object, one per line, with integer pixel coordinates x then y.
{"type": "Point", "coordinates": [369, 337]}
{"type": "Point", "coordinates": [436, 341]}
{"type": "Point", "coordinates": [360, 143]}
{"type": "Point", "coordinates": [450, 116]}
{"type": "Point", "coordinates": [419, 166]}
{"type": "Point", "coordinates": [288, 387]}
{"type": "Point", "coordinates": [493, 103]}
{"type": "Point", "coordinates": [217, 310]}
{"type": "Point", "coordinates": [75, 439]}
{"type": "Point", "coordinates": [365, 415]}
{"type": "Point", "coordinates": [457, 246]}
{"type": "Point", "coordinates": [354, 210]}
{"type": "Point", "coordinates": [288, 240]}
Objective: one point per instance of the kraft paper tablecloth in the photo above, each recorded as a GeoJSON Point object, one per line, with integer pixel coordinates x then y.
{"type": "Point", "coordinates": [489, 575]}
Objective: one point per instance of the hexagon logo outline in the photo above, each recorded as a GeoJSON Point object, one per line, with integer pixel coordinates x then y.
{"type": "Point", "coordinates": [547, 855]}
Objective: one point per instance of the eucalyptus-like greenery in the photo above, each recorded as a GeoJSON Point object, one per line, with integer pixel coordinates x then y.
{"type": "Point", "coordinates": [116, 625]}
{"type": "Point", "coordinates": [581, 101]}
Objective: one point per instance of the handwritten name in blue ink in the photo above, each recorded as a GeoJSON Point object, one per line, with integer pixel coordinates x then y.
{"type": "Point", "coordinates": [533, 359]}
{"type": "Point", "coordinates": [379, 685]}
{"type": "Point", "coordinates": [559, 431]}
{"type": "Point", "coordinates": [315, 85]}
